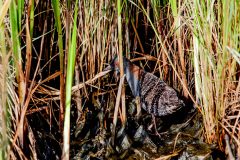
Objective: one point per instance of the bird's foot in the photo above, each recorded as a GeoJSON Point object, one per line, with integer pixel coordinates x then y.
{"type": "Point", "coordinates": [158, 134]}
{"type": "Point", "coordinates": [155, 127]}
{"type": "Point", "coordinates": [154, 130]}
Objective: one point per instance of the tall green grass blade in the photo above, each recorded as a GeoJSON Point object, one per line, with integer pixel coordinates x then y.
{"type": "Point", "coordinates": [17, 59]}
{"type": "Point", "coordinates": [15, 36]}
{"type": "Point", "coordinates": [32, 19]}
{"type": "Point", "coordinates": [69, 81]}
{"type": "Point", "coordinates": [173, 4]}
{"type": "Point", "coordinates": [213, 43]}
{"type": "Point", "coordinates": [4, 140]}
{"type": "Point", "coordinates": [20, 9]}
{"type": "Point", "coordinates": [56, 9]}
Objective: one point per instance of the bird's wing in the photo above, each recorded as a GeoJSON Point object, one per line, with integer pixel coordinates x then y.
{"type": "Point", "coordinates": [169, 102]}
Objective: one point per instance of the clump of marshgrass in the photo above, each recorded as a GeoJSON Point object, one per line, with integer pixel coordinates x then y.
{"type": "Point", "coordinates": [9, 108]}
{"type": "Point", "coordinates": [214, 29]}
{"type": "Point", "coordinates": [193, 39]}
{"type": "Point", "coordinates": [15, 90]}
{"type": "Point", "coordinates": [194, 46]}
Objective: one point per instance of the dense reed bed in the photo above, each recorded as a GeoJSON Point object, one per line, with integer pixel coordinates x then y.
{"type": "Point", "coordinates": [49, 46]}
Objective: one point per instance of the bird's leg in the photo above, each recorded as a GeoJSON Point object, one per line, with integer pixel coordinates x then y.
{"type": "Point", "coordinates": [155, 126]}
{"type": "Point", "coordinates": [138, 103]}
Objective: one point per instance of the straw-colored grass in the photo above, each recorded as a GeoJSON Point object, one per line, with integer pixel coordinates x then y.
{"type": "Point", "coordinates": [193, 45]}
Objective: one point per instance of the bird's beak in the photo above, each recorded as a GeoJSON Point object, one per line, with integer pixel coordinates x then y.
{"type": "Point", "coordinates": [108, 68]}
{"type": "Point", "coordinates": [115, 74]}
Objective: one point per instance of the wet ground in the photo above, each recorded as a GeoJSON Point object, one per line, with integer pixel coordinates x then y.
{"type": "Point", "coordinates": [180, 137]}
{"type": "Point", "coordinates": [91, 136]}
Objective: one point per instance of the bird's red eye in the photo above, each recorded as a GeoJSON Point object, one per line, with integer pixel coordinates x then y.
{"type": "Point", "coordinates": [116, 64]}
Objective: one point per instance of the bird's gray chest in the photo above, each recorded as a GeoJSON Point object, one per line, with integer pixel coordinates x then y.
{"type": "Point", "coordinates": [133, 82]}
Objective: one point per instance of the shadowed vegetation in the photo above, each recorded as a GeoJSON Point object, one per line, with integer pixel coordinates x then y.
{"type": "Point", "coordinates": [53, 53]}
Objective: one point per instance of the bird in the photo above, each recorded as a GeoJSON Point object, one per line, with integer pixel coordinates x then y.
{"type": "Point", "coordinates": [156, 96]}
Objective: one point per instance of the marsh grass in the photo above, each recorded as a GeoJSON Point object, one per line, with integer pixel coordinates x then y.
{"type": "Point", "coordinates": [192, 45]}
{"type": "Point", "coordinates": [214, 31]}
{"type": "Point", "coordinates": [202, 33]}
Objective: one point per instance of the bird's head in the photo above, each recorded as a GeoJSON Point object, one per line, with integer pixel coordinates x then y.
{"type": "Point", "coordinates": [115, 66]}
{"type": "Point", "coordinates": [131, 71]}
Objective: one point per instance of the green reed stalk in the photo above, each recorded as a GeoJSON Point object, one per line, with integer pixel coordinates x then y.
{"type": "Point", "coordinates": [32, 19]}
{"type": "Point", "coordinates": [203, 63]}
{"type": "Point", "coordinates": [4, 140]}
{"type": "Point", "coordinates": [20, 11]}
{"type": "Point", "coordinates": [56, 9]}
{"type": "Point", "coordinates": [69, 80]}
{"type": "Point", "coordinates": [17, 59]}
{"type": "Point", "coordinates": [14, 35]}
{"type": "Point", "coordinates": [214, 31]}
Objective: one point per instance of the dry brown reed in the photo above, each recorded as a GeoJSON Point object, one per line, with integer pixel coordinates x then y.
{"type": "Point", "coordinates": [192, 45]}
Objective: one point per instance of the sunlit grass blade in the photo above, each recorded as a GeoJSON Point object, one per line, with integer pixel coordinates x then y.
{"type": "Point", "coordinates": [32, 18]}
{"type": "Point", "coordinates": [4, 119]}
{"type": "Point", "coordinates": [56, 9]}
{"type": "Point", "coordinates": [17, 59]}
{"type": "Point", "coordinates": [3, 10]}
{"type": "Point", "coordinates": [20, 9]}
{"type": "Point", "coordinates": [15, 37]}
{"type": "Point", "coordinates": [69, 81]}
{"type": "Point", "coordinates": [214, 69]}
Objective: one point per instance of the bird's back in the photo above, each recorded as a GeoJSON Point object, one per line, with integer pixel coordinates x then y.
{"type": "Point", "coordinates": [157, 97]}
